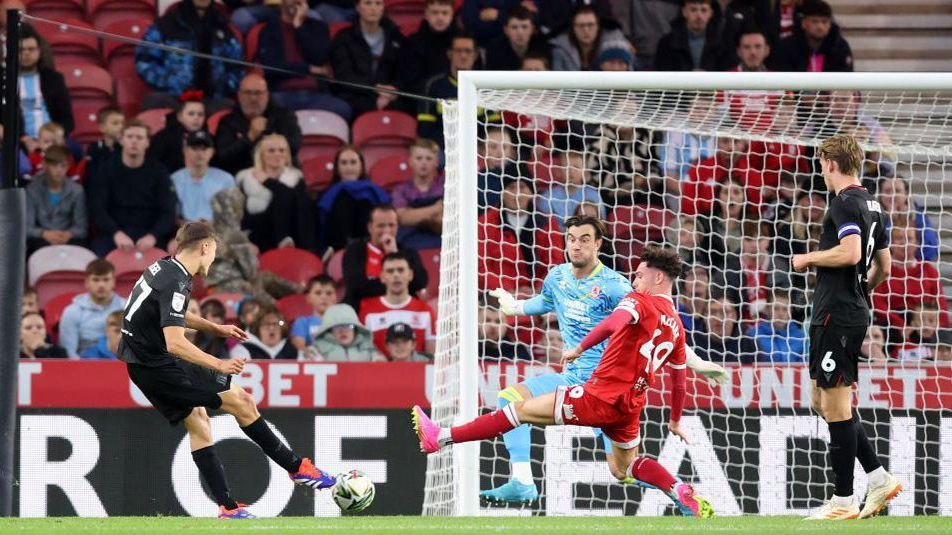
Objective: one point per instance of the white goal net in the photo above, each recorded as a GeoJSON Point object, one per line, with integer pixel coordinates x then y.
{"type": "Point", "coordinates": [724, 170]}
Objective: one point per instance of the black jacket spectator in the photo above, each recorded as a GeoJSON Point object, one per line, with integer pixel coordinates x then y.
{"type": "Point", "coordinates": [674, 52]}
{"type": "Point", "coordinates": [426, 55]}
{"type": "Point", "coordinates": [232, 147]}
{"type": "Point", "coordinates": [313, 39]}
{"type": "Point", "coordinates": [553, 16]}
{"type": "Point", "coordinates": [56, 98]}
{"type": "Point", "coordinates": [359, 286]}
{"type": "Point", "coordinates": [793, 53]}
{"type": "Point", "coordinates": [500, 56]}
{"type": "Point", "coordinates": [353, 62]}
{"type": "Point", "coordinates": [98, 153]}
{"type": "Point", "coordinates": [165, 146]}
{"type": "Point", "coordinates": [137, 201]}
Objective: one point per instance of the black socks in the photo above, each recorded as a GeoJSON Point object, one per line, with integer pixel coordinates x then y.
{"type": "Point", "coordinates": [214, 475]}
{"type": "Point", "coordinates": [261, 434]}
{"type": "Point", "coordinates": [842, 452]}
{"type": "Point", "coordinates": [864, 450]}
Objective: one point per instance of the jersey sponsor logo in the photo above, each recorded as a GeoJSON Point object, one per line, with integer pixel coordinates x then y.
{"type": "Point", "coordinates": [873, 206]}
{"type": "Point", "coordinates": [155, 268]}
{"type": "Point", "coordinates": [178, 301]}
{"type": "Point", "coordinates": [568, 411]}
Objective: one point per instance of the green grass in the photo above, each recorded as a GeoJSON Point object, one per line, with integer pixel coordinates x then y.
{"type": "Point", "coordinates": [548, 525]}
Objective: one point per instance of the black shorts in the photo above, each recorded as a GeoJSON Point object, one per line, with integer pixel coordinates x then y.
{"type": "Point", "coordinates": [835, 351]}
{"type": "Point", "coordinates": [177, 388]}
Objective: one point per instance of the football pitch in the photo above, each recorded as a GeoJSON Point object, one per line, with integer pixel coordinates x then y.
{"type": "Point", "coordinates": [370, 524]}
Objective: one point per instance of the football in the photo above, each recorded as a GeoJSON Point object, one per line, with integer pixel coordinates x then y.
{"type": "Point", "coordinates": [353, 492]}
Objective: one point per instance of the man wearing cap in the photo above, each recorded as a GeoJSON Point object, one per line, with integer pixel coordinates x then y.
{"type": "Point", "coordinates": [401, 344]}
{"type": "Point", "coordinates": [197, 182]}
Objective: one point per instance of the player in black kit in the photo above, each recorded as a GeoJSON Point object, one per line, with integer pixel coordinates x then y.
{"type": "Point", "coordinates": [852, 260]}
{"type": "Point", "coordinates": [182, 381]}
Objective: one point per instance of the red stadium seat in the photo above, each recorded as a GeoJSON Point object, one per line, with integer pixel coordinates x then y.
{"type": "Point", "coordinates": [323, 133]}
{"type": "Point", "coordinates": [294, 306]}
{"type": "Point", "coordinates": [231, 302]}
{"type": "Point", "coordinates": [57, 269]}
{"type": "Point", "coordinates": [59, 10]}
{"type": "Point", "coordinates": [384, 133]}
{"type": "Point", "coordinates": [251, 41]}
{"type": "Point", "coordinates": [86, 128]}
{"type": "Point", "coordinates": [154, 118]}
{"type": "Point", "coordinates": [69, 45]}
{"type": "Point", "coordinates": [409, 27]}
{"type": "Point", "coordinates": [641, 223]}
{"type": "Point", "coordinates": [318, 173]}
{"type": "Point", "coordinates": [88, 84]}
{"type": "Point", "coordinates": [335, 266]}
{"type": "Point", "coordinates": [216, 118]}
{"type": "Point", "coordinates": [120, 60]}
{"type": "Point", "coordinates": [130, 265]}
{"type": "Point", "coordinates": [53, 311]}
{"type": "Point", "coordinates": [335, 27]}
{"type": "Point", "coordinates": [295, 265]}
{"type": "Point", "coordinates": [390, 171]}
{"type": "Point", "coordinates": [102, 13]}
{"type": "Point", "coordinates": [431, 261]}
{"type": "Point", "coordinates": [405, 12]}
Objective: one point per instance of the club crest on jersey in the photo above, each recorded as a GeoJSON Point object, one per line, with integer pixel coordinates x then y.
{"type": "Point", "coordinates": [178, 302]}
{"type": "Point", "coordinates": [594, 292]}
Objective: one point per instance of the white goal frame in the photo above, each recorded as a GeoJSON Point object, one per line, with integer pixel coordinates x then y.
{"type": "Point", "coordinates": [466, 456]}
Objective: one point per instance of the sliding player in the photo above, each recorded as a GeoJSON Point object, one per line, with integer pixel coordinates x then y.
{"type": "Point", "coordinates": [181, 381]}
{"type": "Point", "coordinates": [853, 259]}
{"type": "Point", "coordinates": [646, 334]}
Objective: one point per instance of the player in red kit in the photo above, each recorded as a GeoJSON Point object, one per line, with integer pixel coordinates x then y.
{"type": "Point", "coordinates": [646, 334]}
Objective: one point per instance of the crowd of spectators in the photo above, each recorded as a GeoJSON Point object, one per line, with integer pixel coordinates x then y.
{"type": "Point", "coordinates": [738, 209]}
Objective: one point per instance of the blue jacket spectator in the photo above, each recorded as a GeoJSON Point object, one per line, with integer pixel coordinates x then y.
{"type": "Point", "coordinates": [196, 183]}
{"type": "Point", "coordinates": [346, 206]}
{"type": "Point", "coordinates": [894, 196]}
{"type": "Point", "coordinates": [779, 339]}
{"type": "Point", "coordinates": [84, 320]}
{"type": "Point", "coordinates": [564, 198]}
{"type": "Point", "coordinates": [193, 25]}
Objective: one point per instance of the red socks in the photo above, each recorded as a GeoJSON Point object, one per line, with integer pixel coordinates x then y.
{"type": "Point", "coordinates": [486, 426]}
{"type": "Point", "coordinates": [651, 472]}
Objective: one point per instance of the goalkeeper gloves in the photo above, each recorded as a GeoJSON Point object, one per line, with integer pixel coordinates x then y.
{"type": "Point", "coordinates": [508, 304]}
{"type": "Point", "coordinates": [712, 372]}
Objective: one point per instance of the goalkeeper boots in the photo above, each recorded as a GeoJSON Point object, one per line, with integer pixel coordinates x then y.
{"type": "Point", "coordinates": [427, 431]}
{"type": "Point", "coordinates": [238, 513]}
{"type": "Point", "coordinates": [834, 511]}
{"type": "Point", "coordinates": [689, 502]}
{"type": "Point", "coordinates": [877, 497]}
{"type": "Point", "coordinates": [310, 476]}
{"type": "Point", "coordinates": [512, 492]}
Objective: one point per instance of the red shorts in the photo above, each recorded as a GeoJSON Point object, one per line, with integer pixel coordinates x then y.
{"type": "Point", "coordinates": [575, 406]}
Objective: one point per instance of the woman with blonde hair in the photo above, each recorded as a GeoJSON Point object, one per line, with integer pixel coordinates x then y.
{"type": "Point", "coordinates": [277, 209]}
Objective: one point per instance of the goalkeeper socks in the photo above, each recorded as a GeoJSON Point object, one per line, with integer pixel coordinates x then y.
{"type": "Point", "coordinates": [271, 445]}
{"type": "Point", "coordinates": [486, 426]}
{"type": "Point", "coordinates": [522, 472]}
{"type": "Point", "coordinates": [518, 441]}
{"type": "Point", "coordinates": [842, 455]}
{"type": "Point", "coordinates": [214, 475]}
{"type": "Point", "coordinates": [864, 450]}
{"type": "Point", "coordinates": [650, 471]}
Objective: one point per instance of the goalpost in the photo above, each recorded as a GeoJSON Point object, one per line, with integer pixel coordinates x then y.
{"type": "Point", "coordinates": [719, 165]}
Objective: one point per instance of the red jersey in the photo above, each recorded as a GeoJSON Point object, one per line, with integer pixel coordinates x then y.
{"type": "Point", "coordinates": [378, 315]}
{"type": "Point", "coordinates": [653, 338]}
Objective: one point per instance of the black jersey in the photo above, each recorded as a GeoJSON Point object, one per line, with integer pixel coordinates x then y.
{"type": "Point", "coordinates": [842, 294]}
{"type": "Point", "coordinates": [159, 299]}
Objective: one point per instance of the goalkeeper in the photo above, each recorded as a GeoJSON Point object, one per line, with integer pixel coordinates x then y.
{"type": "Point", "coordinates": [582, 293]}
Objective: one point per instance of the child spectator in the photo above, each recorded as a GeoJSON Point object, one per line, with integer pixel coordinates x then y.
{"type": "Point", "coordinates": [402, 344]}
{"type": "Point", "coordinates": [564, 197]}
{"type": "Point", "coordinates": [56, 206]}
{"type": "Point", "coordinates": [214, 311]}
{"type": "Point", "coordinates": [107, 346]}
{"type": "Point", "coordinates": [419, 200]}
{"type": "Point", "coordinates": [342, 338]}
{"type": "Point", "coordinates": [30, 302]}
{"type": "Point", "coordinates": [778, 338]}
{"type": "Point", "coordinates": [397, 305]}
{"type": "Point", "coordinates": [53, 135]}
{"type": "Point", "coordinates": [248, 311]}
{"type": "Point", "coordinates": [197, 183]}
{"type": "Point", "coordinates": [348, 202]}
{"type": "Point", "coordinates": [267, 339]}
{"type": "Point", "coordinates": [874, 345]}
{"type": "Point", "coordinates": [84, 320]}
{"type": "Point", "coordinates": [187, 117]}
{"type": "Point", "coordinates": [278, 212]}
{"type": "Point", "coordinates": [110, 120]}
{"type": "Point", "coordinates": [922, 337]}
{"type": "Point", "coordinates": [616, 59]}
{"type": "Point", "coordinates": [132, 200]}
{"type": "Point", "coordinates": [33, 344]}
{"type": "Point", "coordinates": [494, 340]}
{"type": "Point", "coordinates": [321, 293]}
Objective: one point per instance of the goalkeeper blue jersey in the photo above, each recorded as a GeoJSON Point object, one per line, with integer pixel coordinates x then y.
{"type": "Point", "coordinates": [579, 305]}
